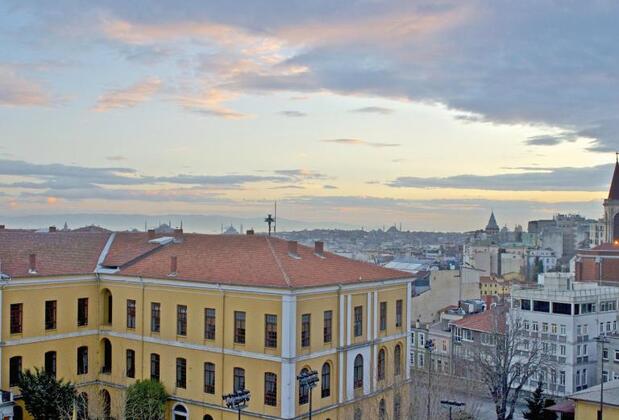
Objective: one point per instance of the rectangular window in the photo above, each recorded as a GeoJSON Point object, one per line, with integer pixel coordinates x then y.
{"type": "Point", "coordinates": [305, 330]}
{"type": "Point", "coordinates": [14, 370]}
{"type": "Point", "coordinates": [16, 318]}
{"type": "Point", "coordinates": [535, 326]}
{"type": "Point", "coordinates": [544, 327]}
{"type": "Point", "coordinates": [605, 354]}
{"type": "Point", "coordinates": [181, 320]}
{"type": "Point", "coordinates": [541, 306]}
{"type": "Point", "coordinates": [270, 330]}
{"type": "Point", "coordinates": [82, 312]}
{"type": "Point", "coordinates": [383, 316]}
{"type": "Point", "coordinates": [270, 389]}
{"type": "Point", "coordinates": [553, 328]}
{"type": "Point", "coordinates": [50, 363]}
{"type": "Point", "coordinates": [82, 360]}
{"type": "Point", "coordinates": [239, 379]}
{"type": "Point", "coordinates": [130, 363]}
{"type": "Point", "coordinates": [209, 323]}
{"type": "Point", "coordinates": [181, 373]}
{"type": "Point", "coordinates": [50, 314]}
{"type": "Point", "coordinates": [561, 308]}
{"type": "Point", "coordinates": [239, 327]}
{"type": "Point", "coordinates": [154, 366]}
{"type": "Point", "coordinates": [155, 317]}
{"type": "Point", "coordinates": [563, 330]}
{"type": "Point", "coordinates": [209, 378]}
{"type": "Point", "coordinates": [562, 350]}
{"type": "Point", "coordinates": [358, 320]}
{"type": "Point", "coordinates": [327, 333]}
{"type": "Point", "coordinates": [130, 313]}
{"type": "Point", "coordinates": [398, 313]}
{"type": "Point", "coordinates": [616, 355]}
{"type": "Point", "coordinates": [525, 305]}
{"type": "Point", "coordinates": [562, 377]}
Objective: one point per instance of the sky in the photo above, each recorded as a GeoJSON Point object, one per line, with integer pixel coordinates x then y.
{"type": "Point", "coordinates": [368, 113]}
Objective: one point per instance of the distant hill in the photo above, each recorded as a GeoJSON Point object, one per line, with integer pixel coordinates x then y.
{"type": "Point", "coordinates": [191, 222]}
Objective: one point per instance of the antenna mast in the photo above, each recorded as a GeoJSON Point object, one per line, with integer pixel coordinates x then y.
{"type": "Point", "coordinates": [275, 219]}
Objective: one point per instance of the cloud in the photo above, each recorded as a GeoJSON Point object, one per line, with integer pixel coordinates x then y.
{"type": "Point", "coordinates": [550, 140]}
{"type": "Point", "coordinates": [301, 174]}
{"type": "Point", "coordinates": [293, 114]}
{"type": "Point", "coordinates": [116, 157]}
{"type": "Point", "coordinates": [374, 110]}
{"type": "Point", "coordinates": [329, 187]}
{"type": "Point", "coordinates": [210, 103]}
{"type": "Point", "coordinates": [594, 178]}
{"type": "Point", "coordinates": [17, 91]}
{"type": "Point", "coordinates": [358, 142]}
{"type": "Point", "coordinates": [128, 97]}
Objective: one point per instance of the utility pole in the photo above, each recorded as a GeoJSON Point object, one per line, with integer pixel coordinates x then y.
{"type": "Point", "coordinates": [602, 340]}
{"type": "Point", "coordinates": [308, 381]}
{"type": "Point", "coordinates": [237, 400]}
{"type": "Point", "coordinates": [429, 346]}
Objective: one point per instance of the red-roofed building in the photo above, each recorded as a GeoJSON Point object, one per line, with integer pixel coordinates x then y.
{"type": "Point", "coordinates": [204, 315]}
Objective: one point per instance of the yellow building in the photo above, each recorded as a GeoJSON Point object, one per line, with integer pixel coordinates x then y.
{"type": "Point", "coordinates": [204, 314]}
{"type": "Point", "coordinates": [587, 402]}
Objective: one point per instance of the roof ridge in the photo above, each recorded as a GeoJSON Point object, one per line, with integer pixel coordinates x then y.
{"type": "Point", "coordinates": [278, 262]}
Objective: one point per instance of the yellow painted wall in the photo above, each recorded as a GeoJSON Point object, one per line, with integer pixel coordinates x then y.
{"type": "Point", "coordinates": [588, 411]}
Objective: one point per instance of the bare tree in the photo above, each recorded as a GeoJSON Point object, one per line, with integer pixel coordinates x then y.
{"type": "Point", "coordinates": [507, 359]}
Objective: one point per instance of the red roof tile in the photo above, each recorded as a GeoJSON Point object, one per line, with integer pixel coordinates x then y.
{"type": "Point", "coordinates": [128, 246]}
{"type": "Point", "coordinates": [57, 253]}
{"type": "Point", "coordinates": [492, 320]}
{"type": "Point", "coordinates": [250, 260]}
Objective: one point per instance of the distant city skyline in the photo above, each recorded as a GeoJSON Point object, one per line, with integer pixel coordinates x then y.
{"type": "Point", "coordinates": [429, 114]}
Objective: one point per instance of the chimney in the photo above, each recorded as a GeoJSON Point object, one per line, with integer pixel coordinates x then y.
{"type": "Point", "coordinates": [2, 227]}
{"type": "Point", "coordinates": [250, 231]}
{"type": "Point", "coordinates": [319, 248]}
{"type": "Point", "coordinates": [178, 235]}
{"type": "Point", "coordinates": [32, 264]}
{"type": "Point", "coordinates": [292, 249]}
{"type": "Point", "coordinates": [151, 233]}
{"type": "Point", "coordinates": [52, 229]}
{"type": "Point", "coordinates": [173, 265]}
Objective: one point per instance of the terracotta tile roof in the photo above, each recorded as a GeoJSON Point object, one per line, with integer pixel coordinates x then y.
{"type": "Point", "coordinates": [57, 253]}
{"type": "Point", "coordinates": [128, 246]}
{"type": "Point", "coordinates": [487, 321]}
{"type": "Point", "coordinates": [250, 260]}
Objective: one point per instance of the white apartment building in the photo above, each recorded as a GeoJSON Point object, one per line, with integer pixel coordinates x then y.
{"type": "Point", "coordinates": [567, 317]}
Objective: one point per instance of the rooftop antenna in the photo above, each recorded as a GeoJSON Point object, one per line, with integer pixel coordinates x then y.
{"type": "Point", "coordinates": [275, 219]}
{"type": "Point", "coordinates": [269, 221]}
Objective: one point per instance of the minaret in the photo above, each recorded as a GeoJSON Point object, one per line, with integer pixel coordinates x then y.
{"type": "Point", "coordinates": [611, 207]}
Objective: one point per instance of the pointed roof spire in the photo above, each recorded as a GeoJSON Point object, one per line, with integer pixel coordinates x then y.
{"type": "Point", "coordinates": [492, 224]}
{"type": "Point", "coordinates": [613, 193]}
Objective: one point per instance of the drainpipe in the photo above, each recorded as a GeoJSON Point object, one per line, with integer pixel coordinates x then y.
{"type": "Point", "coordinates": [142, 329]}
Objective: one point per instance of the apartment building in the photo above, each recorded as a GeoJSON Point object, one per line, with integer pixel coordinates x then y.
{"type": "Point", "coordinates": [566, 316]}
{"type": "Point", "coordinates": [205, 315]}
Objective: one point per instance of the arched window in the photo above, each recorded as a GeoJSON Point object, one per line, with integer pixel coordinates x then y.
{"type": "Point", "coordinates": [325, 381]}
{"type": "Point", "coordinates": [358, 372]}
{"type": "Point", "coordinates": [382, 411]}
{"type": "Point", "coordinates": [106, 299]}
{"type": "Point", "coordinates": [207, 417]}
{"type": "Point", "coordinates": [179, 412]}
{"type": "Point", "coordinates": [396, 407]}
{"type": "Point", "coordinates": [82, 406]}
{"type": "Point", "coordinates": [106, 403]}
{"type": "Point", "coordinates": [270, 389]}
{"type": "Point", "coordinates": [14, 370]}
{"type": "Point", "coordinates": [397, 360]}
{"type": "Point", "coordinates": [209, 378]}
{"type": "Point", "coordinates": [239, 379]}
{"type": "Point", "coordinates": [380, 369]}
{"type": "Point", "coordinates": [107, 356]}
{"type": "Point", "coordinates": [303, 391]}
